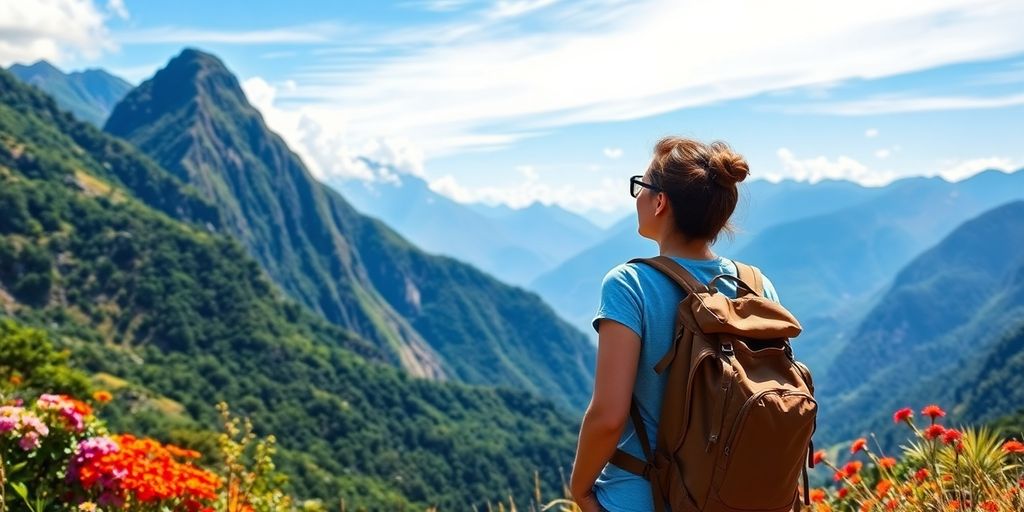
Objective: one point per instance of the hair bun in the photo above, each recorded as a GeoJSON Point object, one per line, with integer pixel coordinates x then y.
{"type": "Point", "coordinates": [728, 168]}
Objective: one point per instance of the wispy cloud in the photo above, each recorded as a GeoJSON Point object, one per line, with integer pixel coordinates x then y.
{"type": "Point", "coordinates": [56, 30]}
{"type": "Point", "coordinates": [613, 153]}
{"type": "Point", "coordinates": [957, 170]}
{"type": "Point", "coordinates": [473, 85]}
{"type": "Point", "coordinates": [902, 104]}
{"type": "Point", "coordinates": [819, 168]}
{"type": "Point", "coordinates": [299, 34]}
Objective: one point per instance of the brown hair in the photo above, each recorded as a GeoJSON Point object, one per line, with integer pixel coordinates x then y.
{"type": "Point", "coordinates": [700, 181]}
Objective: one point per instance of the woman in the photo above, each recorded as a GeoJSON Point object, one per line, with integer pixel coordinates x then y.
{"type": "Point", "coordinates": [683, 202]}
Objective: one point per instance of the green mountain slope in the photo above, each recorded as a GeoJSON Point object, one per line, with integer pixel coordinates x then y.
{"type": "Point", "coordinates": [188, 315]}
{"type": "Point", "coordinates": [932, 334]}
{"type": "Point", "coordinates": [90, 95]}
{"type": "Point", "coordinates": [433, 315]}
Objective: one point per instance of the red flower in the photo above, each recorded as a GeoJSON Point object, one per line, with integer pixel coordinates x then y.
{"type": "Point", "coordinates": [852, 468]}
{"type": "Point", "coordinates": [989, 506]}
{"type": "Point", "coordinates": [934, 431]}
{"type": "Point", "coordinates": [858, 445]}
{"type": "Point", "coordinates": [886, 462]}
{"type": "Point", "coordinates": [839, 476]}
{"type": "Point", "coordinates": [933, 412]}
{"type": "Point", "coordinates": [951, 436]}
{"type": "Point", "coordinates": [842, 492]}
{"type": "Point", "coordinates": [903, 414]}
{"type": "Point", "coordinates": [819, 456]}
{"type": "Point", "coordinates": [1013, 447]}
{"type": "Point", "coordinates": [921, 475]}
{"type": "Point", "coordinates": [817, 495]}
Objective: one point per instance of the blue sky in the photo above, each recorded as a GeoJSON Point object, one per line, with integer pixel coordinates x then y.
{"type": "Point", "coordinates": [525, 100]}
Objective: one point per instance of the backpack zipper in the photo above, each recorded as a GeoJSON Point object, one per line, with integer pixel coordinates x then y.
{"type": "Point", "coordinates": [750, 402]}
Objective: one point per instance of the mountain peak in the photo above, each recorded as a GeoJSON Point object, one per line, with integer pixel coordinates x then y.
{"type": "Point", "coordinates": [193, 81]}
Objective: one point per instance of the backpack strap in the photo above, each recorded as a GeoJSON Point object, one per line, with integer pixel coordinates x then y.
{"type": "Point", "coordinates": [674, 271]}
{"type": "Point", "coordinates": [750, 275]}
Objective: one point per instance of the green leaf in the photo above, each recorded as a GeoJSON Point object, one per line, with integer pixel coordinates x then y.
{"type": "Point", "coordinates": [20, 489]}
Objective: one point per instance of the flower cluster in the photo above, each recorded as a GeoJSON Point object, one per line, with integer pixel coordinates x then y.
{"type": "Point", "coordinates": [21, 424]}
{"type": "Point", "coordinates": [943, 469]}
{"type": "Point", "coordinates": [72, 412]}
{"type": "Point", "coordinates": [124, 469]}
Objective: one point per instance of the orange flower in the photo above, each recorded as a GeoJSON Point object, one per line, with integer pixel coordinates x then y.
{"type": "Point", "coordinates": [903, 414]}
{"type": "Point", "coordinates": [990, 506]}
{"type": "Point", "coordinates": [933, 412]}
{"type": "Point", "coordinates": [858, 445]}
{"type": "Point", "coordinates": [934, 431]}
{"type": "Point", "coordinates": [819, 456]}
{"type": "Point", "coordinates": [15, 380]}
{"type": "Point", "coordinates": [883, 487]}
{"type": "Point", "coordinates": [102, 396]}
{"type": "Point", "coordinates": [886, 462]}
{"type": "Point", "coordinates": [852, 468]}
{"type": "Point", "coordinates": [817, 495]}
{"type": "Point", "coordinates": [954, 505]}
{"type": "Point", "coordinates": [1013, 447]}
{"type": "Point", "coordinates": [867, 505]}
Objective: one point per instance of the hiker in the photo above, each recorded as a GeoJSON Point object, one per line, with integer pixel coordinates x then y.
{"type": "Point", "coordinates": [683, 202]}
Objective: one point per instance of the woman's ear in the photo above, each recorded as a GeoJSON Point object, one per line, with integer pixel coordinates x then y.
{"type": "Point", "coordinates": [662, 203]}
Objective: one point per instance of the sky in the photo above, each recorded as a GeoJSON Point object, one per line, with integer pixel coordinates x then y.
{"type": "Point", "coordinates": [516, 101]}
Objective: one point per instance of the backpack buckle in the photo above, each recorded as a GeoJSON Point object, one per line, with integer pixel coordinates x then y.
{"type": "Point", "coordinates": [727, 349]}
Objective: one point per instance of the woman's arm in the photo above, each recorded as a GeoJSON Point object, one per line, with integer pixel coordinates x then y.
{"type": "Point", "coordinates": [618, 352]}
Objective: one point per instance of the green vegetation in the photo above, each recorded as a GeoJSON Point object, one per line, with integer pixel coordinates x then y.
{"type": "Point", "coordinates": [184, 319]}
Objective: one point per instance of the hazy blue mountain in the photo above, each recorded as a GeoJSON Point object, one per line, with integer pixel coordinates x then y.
{"type": "Point", "coordinates": [831, 268]}
{"type": "Point", "coordinates": [945, 330]}
{"type": "Point", "coordinates": [90, 95]}
{"type": "Point", "coordinates": [514, 245]}
{"type": "Point", "coordinates": [433, 315]}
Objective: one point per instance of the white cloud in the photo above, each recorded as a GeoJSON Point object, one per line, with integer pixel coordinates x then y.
{"type": "Point", "coordinates": [117, 8]}
{"type": "Point", "coordinates": [513, 8]}
{"type": "Point", "coordinates": [55, 30]}
{"type": "Point", "coordinates": [883, 153]}
{"type": "Point", "coordinates": [820, 168]}
{"type": "Point", "coordinates": [300, 34]}
{"type": "Point", "coordinates": [900, 104]}
{"type": "Point", "coordinates": [613, 153]}
{"type": "Point", "coordinates": [608, 196]}
{"type": "Point", "coordinates": [332, 153]}
{"type": "Point", "coordinates": [450, 91]}
{"type": "Point", "coordinates": [871, 133]}
{"type": "Point", "coordinates": [957, 170]}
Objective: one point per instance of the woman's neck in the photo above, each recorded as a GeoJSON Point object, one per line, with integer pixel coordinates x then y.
{"type": "Point", "coordinates": [689, 249]}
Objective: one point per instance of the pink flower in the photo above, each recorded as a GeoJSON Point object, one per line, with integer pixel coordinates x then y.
{"type": "Point", "coordinates": [29, 441]}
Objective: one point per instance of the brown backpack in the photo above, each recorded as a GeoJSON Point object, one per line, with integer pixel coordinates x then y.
{"type": "Point", "coordinates": [738, 412]}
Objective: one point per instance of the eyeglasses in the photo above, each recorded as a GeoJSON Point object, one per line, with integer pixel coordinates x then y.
{"type": "Point", "coordinates": [635, 183]}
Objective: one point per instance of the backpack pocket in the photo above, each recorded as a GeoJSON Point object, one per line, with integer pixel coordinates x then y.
{"type": "Point", "coordinates": [766, 450]}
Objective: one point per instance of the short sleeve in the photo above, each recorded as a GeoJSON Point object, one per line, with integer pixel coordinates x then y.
{"type": "Point", "coordinates": [769, 289]}
{"type": "Point", "coordinates": [620, 299]}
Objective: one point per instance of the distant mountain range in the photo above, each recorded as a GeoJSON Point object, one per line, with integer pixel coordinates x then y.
{"type": "Point", "coordinates": [90, 95]}
{"type": "Point", "coordinates": [514, 245]}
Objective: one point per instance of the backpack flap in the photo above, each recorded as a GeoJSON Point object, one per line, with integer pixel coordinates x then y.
{"type": "Point", "coordinates": [749, 316]}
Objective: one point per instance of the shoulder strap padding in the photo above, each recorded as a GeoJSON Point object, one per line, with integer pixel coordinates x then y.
{"type": "Point", "coordinates": [750, 275]}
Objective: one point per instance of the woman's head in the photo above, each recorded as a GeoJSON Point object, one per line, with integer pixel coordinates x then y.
{"type": "Point", "coordinates": [695, 190]}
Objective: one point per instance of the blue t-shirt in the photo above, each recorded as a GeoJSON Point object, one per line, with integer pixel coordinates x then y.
{"type": "Point", "coordinates": [643, 299]}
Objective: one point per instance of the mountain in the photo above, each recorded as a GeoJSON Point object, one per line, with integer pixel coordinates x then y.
{"type": "Point", "coordinates": [433, 315]}
{"type": "Point", "coordinates": [90, 95]}
{"type": "Point", "coordinates": [176, 317]}
{"type": "Point", "coordinates": [946, 330]}
{"type": "Point", "coordinates": [514, 245]}
{"type": "Point", "coordinates": [572, 288]}
{"type": "Point", "coordinates": [830, 269]}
